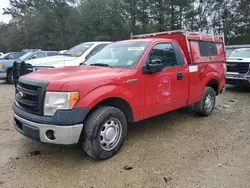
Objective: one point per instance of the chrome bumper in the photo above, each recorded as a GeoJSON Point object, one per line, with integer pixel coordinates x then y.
{"type": "Point", "coordinates": [237, 76]}
{"type": "Point", "coordinates": [63, 135]}
{"type": "Point", "coordinates": [3, 75]}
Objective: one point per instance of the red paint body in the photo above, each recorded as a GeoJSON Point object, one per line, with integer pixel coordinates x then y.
{"type": "Point", "coordinates": [152, 94]}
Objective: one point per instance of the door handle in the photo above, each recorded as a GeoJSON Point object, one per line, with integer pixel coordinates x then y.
{"type": "Point", "coordinates": [180, 76]}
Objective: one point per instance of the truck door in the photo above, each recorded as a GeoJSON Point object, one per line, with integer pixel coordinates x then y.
{"type": "Point", "coordinates": [168, 89]}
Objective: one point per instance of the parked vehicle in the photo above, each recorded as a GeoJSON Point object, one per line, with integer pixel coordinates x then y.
{"type": "Point", "coordinates": [231, 48]}
{"type": "Point", "coordinates": [11, 55]}
{"type": "Point", "coordinates": [238, 67]}
{"type": "Point", "coordinates": [126, 82]}
{"type": "Point", "coordinates": [72, 57]}
{"type": "Point", "coordinates": [6, 66]}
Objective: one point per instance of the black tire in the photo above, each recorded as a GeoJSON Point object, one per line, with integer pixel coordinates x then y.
{"type": "Point", "coordinates": [10, 79]}
{"type": "Point", "coordinates": [200, 107]}
{"type": "Point", "coordinates": [92, 132]}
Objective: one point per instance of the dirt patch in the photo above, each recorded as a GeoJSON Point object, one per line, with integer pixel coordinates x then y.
{"type": "Point", "coordinates": [177, 149]}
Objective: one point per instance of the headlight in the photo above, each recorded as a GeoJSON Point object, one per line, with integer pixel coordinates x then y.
{"type": "Point", "coordinates": [59, 101]}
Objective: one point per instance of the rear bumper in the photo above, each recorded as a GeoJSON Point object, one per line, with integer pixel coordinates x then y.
{"type": "Point", "coordinates": [63, 135]}
{"type": "Point", "coordinates": [238, 79]}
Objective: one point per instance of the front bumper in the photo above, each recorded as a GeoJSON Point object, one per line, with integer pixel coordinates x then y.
{"type": "Point", "coordinates": [66, 126]}
{"type": "Point", "coordinates": [63, 135]}
{"type": "Point", "coordinates": [238, 79]}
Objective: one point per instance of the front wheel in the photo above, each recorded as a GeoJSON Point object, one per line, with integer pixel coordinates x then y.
{"type": "Point", "coordinates": [104, 132]}
{"type": "Point", "coordinates": [206, 106]}
{"type": "Point", "coordinates": [10, 78]}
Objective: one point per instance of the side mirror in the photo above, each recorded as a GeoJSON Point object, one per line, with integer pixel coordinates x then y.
{"type": "Point", "coordinates": [33, 57]}
{"type": "Point", "coordinates": [155, 65]}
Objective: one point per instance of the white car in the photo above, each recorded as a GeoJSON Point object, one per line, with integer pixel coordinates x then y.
{"type": "Point", "coordinates": [72, 57]}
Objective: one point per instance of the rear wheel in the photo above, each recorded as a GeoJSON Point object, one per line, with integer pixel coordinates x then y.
{"type": "Point", "coordinates": [206, 106]}
{"type": "Point", "coordinates": [104, 132]}
{"type": "Point", "coordinates": [10, 78]}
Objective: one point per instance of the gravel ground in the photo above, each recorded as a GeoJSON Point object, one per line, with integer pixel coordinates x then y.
{"type": "Point", "coordinates": [177, 149]}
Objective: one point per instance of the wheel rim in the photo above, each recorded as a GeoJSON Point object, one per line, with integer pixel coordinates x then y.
{"type": "Point", "coordinates": [209, 102]}
{"type": "Point", "coordinates": [110, 134]}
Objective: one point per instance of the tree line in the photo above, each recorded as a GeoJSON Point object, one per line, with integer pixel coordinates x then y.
{"type": "Point", "coordinates": [61, 24]}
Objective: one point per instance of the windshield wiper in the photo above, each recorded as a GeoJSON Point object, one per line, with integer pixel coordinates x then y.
{"type": "Point", "coordinates": [101, 65]}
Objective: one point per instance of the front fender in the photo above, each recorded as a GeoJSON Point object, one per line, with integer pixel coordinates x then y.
{"type": "Point", "coordinates": [105, 92]}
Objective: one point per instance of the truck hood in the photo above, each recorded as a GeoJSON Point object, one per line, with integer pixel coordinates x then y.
{"type": "Point", "coordinates": [49, 61]}
{"type": "Point", "coordinates": [74, 74]}
{"type": "Point", "coordinates": [238, 60]}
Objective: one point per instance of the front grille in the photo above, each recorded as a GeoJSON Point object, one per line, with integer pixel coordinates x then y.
{"type": "Point", "coordinates": [241, 68]}
{"type": "Point", "coordinates": [30, 97]}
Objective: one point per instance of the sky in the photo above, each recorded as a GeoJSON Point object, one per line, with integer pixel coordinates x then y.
{"type": "Point", "coordinates": [4, 18]}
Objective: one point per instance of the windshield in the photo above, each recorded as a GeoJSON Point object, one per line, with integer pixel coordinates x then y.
{"type": "Point", "coordinates": [243, 53]}
{"type": "Point", "coordinates": [78, 50]}
{"type": "Point", "coordinates": [25, 56]}
{"type": "Point", "coordinates": [119, 55]}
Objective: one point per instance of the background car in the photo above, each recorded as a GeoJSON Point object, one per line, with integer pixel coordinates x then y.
{"type": "Point", "coordinates": [6, 66]}
{"type": "Point", "coordinates": [72, 57]}
{"type": "Point", "coordinates": [12, 55]}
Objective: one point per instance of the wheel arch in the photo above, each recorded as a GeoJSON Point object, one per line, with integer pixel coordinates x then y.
{"type": "Point", "coordinates": [116, 102]}
{"type": "Point", "coordinates": [213, 83]}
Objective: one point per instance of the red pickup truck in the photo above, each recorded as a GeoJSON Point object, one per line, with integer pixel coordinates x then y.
{"type": "Point", "coordinates": [126, 82]}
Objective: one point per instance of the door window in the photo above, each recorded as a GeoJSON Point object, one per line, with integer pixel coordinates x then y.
{"type": "Point", "coordinates": [12, 56]}
{"type": "Point", "coordinates": [52, 53]}
{"type": "Point", "coordinates": [165, 53]}
{"type": "Point", "coordinates": [37, 55]}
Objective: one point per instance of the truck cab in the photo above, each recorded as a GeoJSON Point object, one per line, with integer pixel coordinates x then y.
{"type": "Point", "coordinates": [126, 82]}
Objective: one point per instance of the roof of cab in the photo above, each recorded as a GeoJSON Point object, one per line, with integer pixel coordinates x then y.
{"type": "Point", "coordinates": [147, 40]}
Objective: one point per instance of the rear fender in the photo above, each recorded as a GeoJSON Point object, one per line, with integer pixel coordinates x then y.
{"type": "Point", "coordinates": [211, 76]}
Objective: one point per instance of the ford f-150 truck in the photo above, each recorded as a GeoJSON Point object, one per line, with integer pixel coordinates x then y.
{"type": "Point", "coordinates": [126, 82]}
{"type": "Point", "coordinates": [238, 67]}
